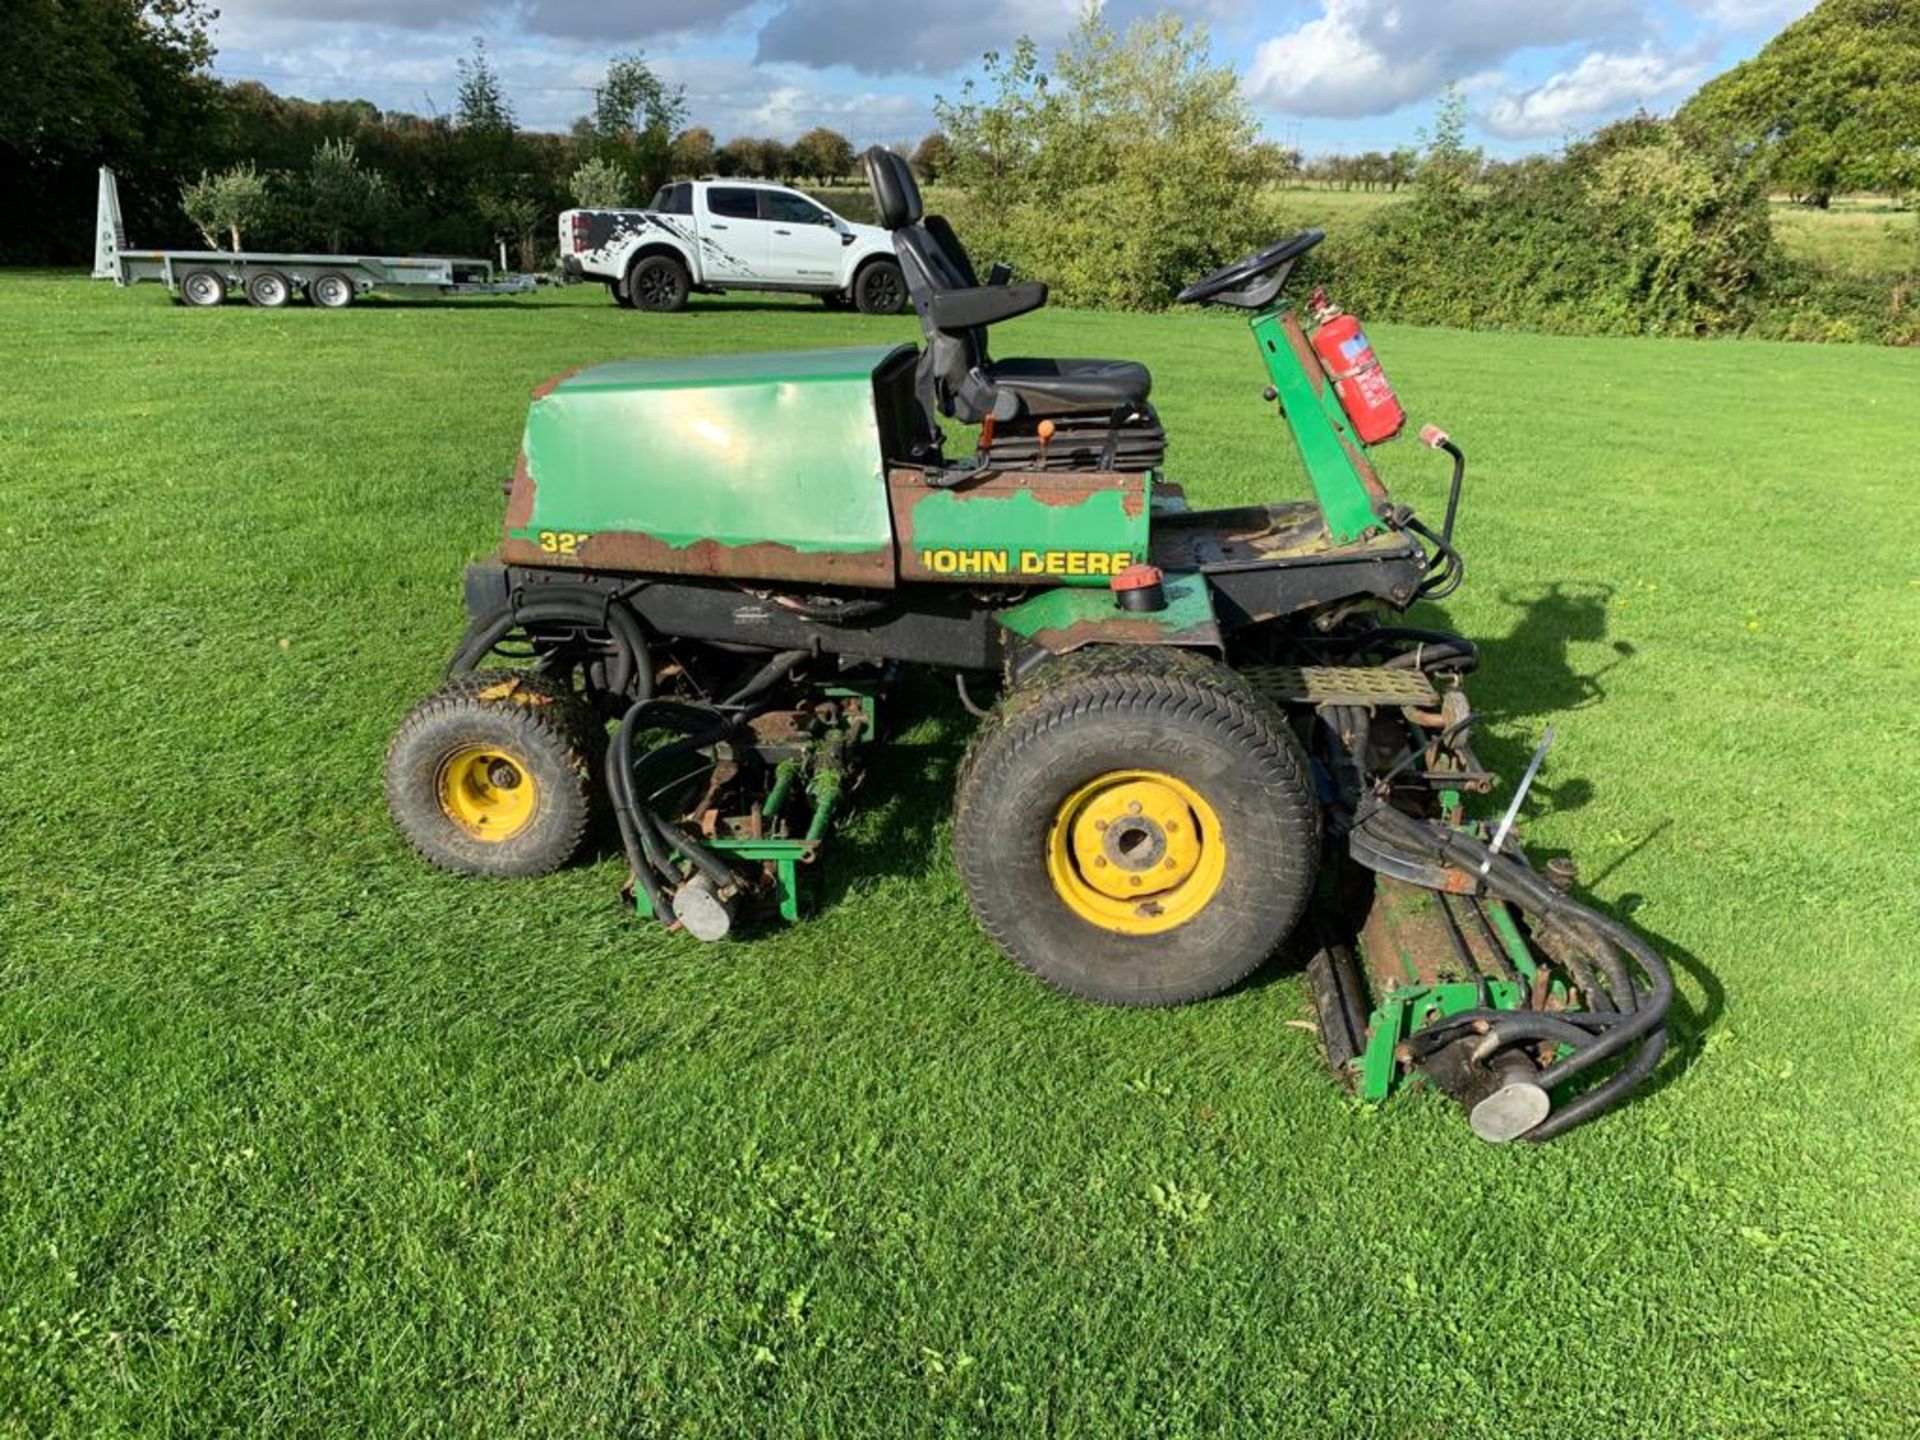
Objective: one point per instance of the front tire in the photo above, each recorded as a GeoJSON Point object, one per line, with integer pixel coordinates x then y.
{"type": "Point", "coordinates": [880, 289]}
{"type": "Point", "coordinates": [1137, 827]}
{"type": "Point", "coordinates": [658, 283]}
{"type": "Point", "coordinates": [493, 774]}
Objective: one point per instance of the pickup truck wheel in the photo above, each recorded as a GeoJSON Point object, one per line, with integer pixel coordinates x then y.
{"type": "Point", "coordinates": [880, 289]}
{"type": "Point", "coordinates": [658, 283]}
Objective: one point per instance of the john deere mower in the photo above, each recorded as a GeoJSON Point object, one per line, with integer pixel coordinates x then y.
{"type": "Point", "coordinates": [1206, 735]}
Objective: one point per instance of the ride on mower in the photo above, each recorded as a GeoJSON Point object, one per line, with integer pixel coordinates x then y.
{"type": "Point", "coordinates": [1205, 732]}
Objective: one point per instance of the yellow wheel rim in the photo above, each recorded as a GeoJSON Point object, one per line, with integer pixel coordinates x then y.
{"type": "Point", "coordinates": [1136, 852]}
{"type": "Point", "coordinates": [488, 792]}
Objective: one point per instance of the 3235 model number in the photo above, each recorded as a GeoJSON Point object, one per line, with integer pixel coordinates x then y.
{"type": "Point", "coordinates": [563, 542]}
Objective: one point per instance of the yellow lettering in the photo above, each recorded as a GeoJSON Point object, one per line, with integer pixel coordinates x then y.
{"type": "Point", "coordinates": [1076, 562]}
{"type": "Point", "coordinates": [1056, 563]}
{"type": "Point", "coordinates": [1031, 563]}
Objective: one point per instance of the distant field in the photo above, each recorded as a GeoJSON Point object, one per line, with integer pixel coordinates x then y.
{"type": "Point", "coordinates": [299, 1137]}
{"type": "Point", "coordinates": [1862, 237]}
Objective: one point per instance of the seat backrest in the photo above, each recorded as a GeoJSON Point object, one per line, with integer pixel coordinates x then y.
{"type": "Point", "coordinates": [933, 260]}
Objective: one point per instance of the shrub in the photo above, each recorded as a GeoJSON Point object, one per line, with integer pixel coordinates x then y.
{"type": "Point", "coordinates": [1126, 173]}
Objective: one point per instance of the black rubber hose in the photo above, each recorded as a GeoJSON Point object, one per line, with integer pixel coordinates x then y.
{"type": "Point", "coordinates": [1605, 1095]}
{"type": "Point", "coordinates": [1512, 881]}
{"type": "Point", "coordinates": [644, 863]}
{"type": "Point", "coordinates": [568, 605]}
{"type": "Point", "coordinates": [766, 677]}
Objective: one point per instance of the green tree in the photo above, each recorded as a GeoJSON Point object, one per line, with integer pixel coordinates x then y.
{"type": "Point", "coordinates": [480, 105]}
{"type": "Point", "coordinates": [1831, 103]}
{"type": "Point", "coordinates": [599, 184]}
{"type": "Point", "coordinates": [693, 151]}
{"type": "Point", "coordinates": [933, 156]}
{"type": "Point", "coordinates": [347, 199]}
{"type": "Point", "coordinates": [823, 154]}
{"type": "Point", "coordinates": [231, 202]}
{"type": "Point", "coordinates": [635, 117]}
{"type": "Point", "coordinates": [93, 82]}
{"type": "Point", "coordinates": [514, 217]}
{"type": "Point", "coordinates": [1449, 165]}
{"type": "Point", "coordinates": [1126, 172]}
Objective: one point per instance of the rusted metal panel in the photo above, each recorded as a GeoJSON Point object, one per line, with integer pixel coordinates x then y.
{"type": "Point", "coordinates": [1019, 527]}
{"type": "Point", "coordinates": [753, 466]}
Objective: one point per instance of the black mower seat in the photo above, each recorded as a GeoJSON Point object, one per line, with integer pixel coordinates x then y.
{"type": "Point", "coordinates": [1061, 387]}
{"type": "Point", "coordinates": [957, 377]}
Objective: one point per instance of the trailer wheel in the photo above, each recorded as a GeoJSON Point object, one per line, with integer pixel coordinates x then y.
{"type": "Point", "coordinates": [494, 774]}
{"type": "Point", "coordinates": [1137, 826]}
{"type": "Point", "coordinates": [880, 289]}
{"type": "Point", "coordinates": [203, 288]}
{"type": "Point", "coordinates": [330, 290]}
{"type": "Point", "coordinates": [658, 283]}
{"type": "Point", "coordinates": [268, 289]}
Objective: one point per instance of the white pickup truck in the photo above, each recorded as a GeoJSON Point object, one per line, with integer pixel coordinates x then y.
{"type": "Point", "coordinates": [719, 235]}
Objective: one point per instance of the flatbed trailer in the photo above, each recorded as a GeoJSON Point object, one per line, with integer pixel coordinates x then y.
{"type": "Point", "coordinates": [268, 279]}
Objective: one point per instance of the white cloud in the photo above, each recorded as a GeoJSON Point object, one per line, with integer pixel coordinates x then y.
{"type": "Point", "coordinates": [891, 37]}
{"type": "Point", "coordinates": [1369, 57]}
{"type": "Point", "coordinates": [1599, 87]}
{"type": "Point", "coordinates": [734, 97]}
{"type": "Point", "coordinates": [1767, 15]}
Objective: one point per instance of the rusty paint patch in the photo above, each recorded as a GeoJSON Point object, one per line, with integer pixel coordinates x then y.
{"type": "Point", "coordinates": [625, 551]}
{"type": "Point", "coordinates": [553, 382]}
{"type": "Point", "coordinates": [520, 495]}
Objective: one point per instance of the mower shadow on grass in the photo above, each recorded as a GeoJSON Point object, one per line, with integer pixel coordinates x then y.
{"type": "Point", "coordinates": [1528, 675]}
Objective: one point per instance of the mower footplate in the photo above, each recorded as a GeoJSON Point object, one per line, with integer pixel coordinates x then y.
{"type": "Point", "coordinates": [1265, 561]}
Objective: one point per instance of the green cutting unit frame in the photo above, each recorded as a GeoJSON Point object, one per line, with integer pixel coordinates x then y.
{"type": "Point", "coordinates": [1202, 731]}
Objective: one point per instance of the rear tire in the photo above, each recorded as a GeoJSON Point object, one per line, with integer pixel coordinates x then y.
{"type": "Point", "coordinates": [658, 283]}
{"type": "Point", "coordinates": [1158, 766]}
{"type": "Point", "coordinates": [330, 290]}
{"type": "Point", "coordinates": [880, 288]}
{"type": "Point", "coordinates": [494, 774]}
{"type": "Point", "coordinates": [203, 289]}
{"type": "Point", "coordinates": [268, 289]}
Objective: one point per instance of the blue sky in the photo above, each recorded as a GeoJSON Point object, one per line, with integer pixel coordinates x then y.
{"type": "Point", "coordinates": [1326, 75]}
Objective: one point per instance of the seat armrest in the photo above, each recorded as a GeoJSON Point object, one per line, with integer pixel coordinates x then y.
{"type": "Point", "coordinates": [985, 305]}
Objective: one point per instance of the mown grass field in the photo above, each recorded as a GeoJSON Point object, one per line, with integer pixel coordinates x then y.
{"type": "Point", "coordinates": [299, 1137]}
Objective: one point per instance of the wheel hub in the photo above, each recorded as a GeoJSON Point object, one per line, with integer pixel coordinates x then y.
{"type": "Point", "coordinates": [487, 793]}
{"type": "Point", "coordinates": [1136, 851]}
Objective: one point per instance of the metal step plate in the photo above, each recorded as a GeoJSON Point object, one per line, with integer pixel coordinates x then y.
{"type": "Point", "coordinates": [1367, 685]}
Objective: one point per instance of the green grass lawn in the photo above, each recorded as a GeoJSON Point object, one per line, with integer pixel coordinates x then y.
{"type": "Point", "coordinates": [298, 1136]}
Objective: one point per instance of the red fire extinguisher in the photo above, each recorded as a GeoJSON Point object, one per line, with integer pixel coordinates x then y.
{"type": "Point", "coordinates": [1359, 382]}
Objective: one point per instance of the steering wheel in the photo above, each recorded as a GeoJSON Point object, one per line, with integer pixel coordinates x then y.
{"type": "Point", "coordinates": [1243, 273]}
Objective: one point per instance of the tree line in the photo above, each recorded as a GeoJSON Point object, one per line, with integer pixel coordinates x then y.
{"type": "Point", "coordinates": [127, 83]}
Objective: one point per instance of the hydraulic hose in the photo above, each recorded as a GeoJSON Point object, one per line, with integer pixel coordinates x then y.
{"type": "Point", "coordinates": [1594, 1035]}
{"type": "Point", "coordinates": [631, 673]}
